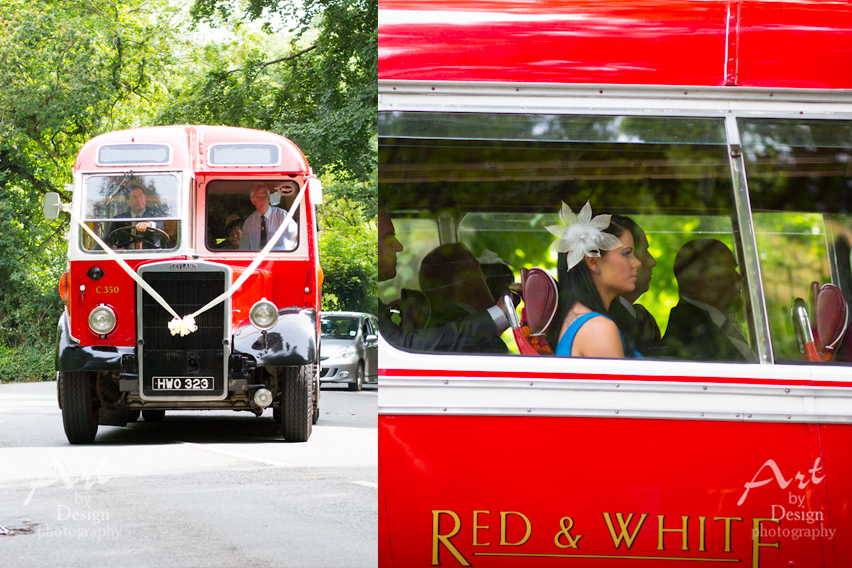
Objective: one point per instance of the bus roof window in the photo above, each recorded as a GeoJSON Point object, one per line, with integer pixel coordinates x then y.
{"type": "Point", "coordinates": [244, 155]}
{"type": "Point", "coordinates": [133, 154]}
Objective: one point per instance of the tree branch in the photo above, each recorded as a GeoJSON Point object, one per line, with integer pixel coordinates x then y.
{"type": "Point", "coordinates": [279, 60]}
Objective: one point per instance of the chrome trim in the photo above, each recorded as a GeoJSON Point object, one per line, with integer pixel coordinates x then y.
{"type": "Point", "coordinates": [438, 396]}
{"type": "Point", "coordinates": [605, 99]}
{"type": "Point", "coordinates": [758, 323]}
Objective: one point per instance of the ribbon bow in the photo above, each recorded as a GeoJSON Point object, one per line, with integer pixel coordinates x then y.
{"type": "Point", "coordinates": [183, 326]}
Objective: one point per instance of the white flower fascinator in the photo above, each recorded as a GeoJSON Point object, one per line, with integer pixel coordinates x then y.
{"type": "Point", "coordinates": [580, 235]}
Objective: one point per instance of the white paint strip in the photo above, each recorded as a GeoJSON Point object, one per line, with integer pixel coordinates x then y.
{"type": "Point", "coordinates": [368, 484]}
{"type": "Point", "coordinates": [239, 455]}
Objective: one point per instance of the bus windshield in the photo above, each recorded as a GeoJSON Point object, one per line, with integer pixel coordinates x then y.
{"type": "Point", "coordinates": [132, 211]}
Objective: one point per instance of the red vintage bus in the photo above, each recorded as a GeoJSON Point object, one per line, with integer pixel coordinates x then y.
{"type": "Point", "coordinates": [714, 120]}
{"type": "Point", "coordinates": [193, 280]}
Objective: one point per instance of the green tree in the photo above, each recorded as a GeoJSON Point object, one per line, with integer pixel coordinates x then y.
{"type": "Point", "coordinates": [348, 253]}
{"type": "Point", "coordinates": [68, 70]}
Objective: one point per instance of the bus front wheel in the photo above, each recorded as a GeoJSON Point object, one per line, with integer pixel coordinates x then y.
{"type": "Point", "coordinates": [297, 403]}
{"type": "Point", "coordinates": [79, 408]}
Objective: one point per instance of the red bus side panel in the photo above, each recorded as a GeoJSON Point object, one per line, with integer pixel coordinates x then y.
{"type": "Point", "coordinates": [540, 491]}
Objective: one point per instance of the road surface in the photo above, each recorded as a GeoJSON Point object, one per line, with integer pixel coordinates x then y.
{"type": "Point", "coordinates": [197, 489]}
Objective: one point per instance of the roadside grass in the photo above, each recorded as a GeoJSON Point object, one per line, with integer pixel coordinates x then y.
{"type": "Point", "coordinates": [26, 363]}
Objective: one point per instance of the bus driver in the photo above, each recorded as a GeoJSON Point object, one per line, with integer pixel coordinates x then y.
{"type": "Point", "coordinates": [137, 201]}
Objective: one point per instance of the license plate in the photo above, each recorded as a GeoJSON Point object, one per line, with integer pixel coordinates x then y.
{"type": "Point", "coordinates": [182, 383]}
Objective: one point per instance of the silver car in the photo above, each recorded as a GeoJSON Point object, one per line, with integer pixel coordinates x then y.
{"type": "Point", "coordinates": [349, 348]}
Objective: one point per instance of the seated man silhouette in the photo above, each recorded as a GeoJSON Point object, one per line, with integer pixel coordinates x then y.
{"type": "Point", "coordinates": [639, 327]}
{"type": "Point", "coordinates": [452, 280]}
{"type": "Point", "coordinates": [458, 336]}
{"type": "Point", "coordinates": [498, 273]}
{"type": "Point", "coordinates": [701, 327]}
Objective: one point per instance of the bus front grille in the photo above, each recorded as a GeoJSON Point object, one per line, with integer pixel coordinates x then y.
{"type": "Point", "coordinates": [175, 365]}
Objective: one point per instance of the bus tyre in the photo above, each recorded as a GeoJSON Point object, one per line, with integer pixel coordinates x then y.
{"type": "Point", "coordinates": [297, 403]}
{"type": "Point", "coordinates": [152, 415]}
{"type": "Point", "coordinates": [79, 409]}
{"type": "Point", "coordinates": [133, 415]}
{"type": "Point", "coordinates": [316, 394]}
{"type": "Point", "coordinates": [359, 378]}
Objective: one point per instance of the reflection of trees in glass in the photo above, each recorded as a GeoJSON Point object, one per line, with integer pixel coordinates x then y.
{"type": "Point", "coordinates": [799, 181]}
{"type": "Point", "coordinates": [160, 191]}
{"type": "Point", "coordinates": [792, 255]}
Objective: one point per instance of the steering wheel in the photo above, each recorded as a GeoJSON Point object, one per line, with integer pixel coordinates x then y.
{"type": "Point", "coordinates": [142, 236]}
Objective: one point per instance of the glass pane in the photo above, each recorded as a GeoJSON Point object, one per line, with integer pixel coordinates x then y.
{"type": "Point", "coordinates": [113, 199]}
{"type": "Point", "coordinates": [551, 128]}
{"type": "Point", "coordinates": [240, 213]}
{"type": "Point", "coordinates": [133, 154]}
{"type": "Point", "coordinates": [494, 183]}
{"type": "Point", "coordinates": [244, 155]}
{"type": "Point", "coordinates": [799, 182]}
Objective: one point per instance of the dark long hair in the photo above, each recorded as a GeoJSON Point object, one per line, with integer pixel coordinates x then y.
{"type": "Point", "coordinates": [576, 285]}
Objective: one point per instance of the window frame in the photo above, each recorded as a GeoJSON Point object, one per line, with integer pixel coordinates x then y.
{"type": "Point", "coordinates": [718, 103]}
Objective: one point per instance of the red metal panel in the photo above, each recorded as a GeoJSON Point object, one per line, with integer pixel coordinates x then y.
{"type": "Point", "coordinates": [641, 42]}
{"type": "Point", "coordinates": [796, 44]}
{"type": "Point", "coordinates": [466, 490]}
{"type": "Point", "coordinates": [802, 43]}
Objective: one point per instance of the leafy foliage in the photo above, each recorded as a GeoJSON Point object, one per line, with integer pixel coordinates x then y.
{"type": "Point", "coordinates": [71, 70]}
{"type": "Point", "coordinates": [348, 255]}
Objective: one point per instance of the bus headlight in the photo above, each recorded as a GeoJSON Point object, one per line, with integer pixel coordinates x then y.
{"type": "Point", "coordinates": [102, 320]}
{"type": "Point", "coordinates": [263, 315]}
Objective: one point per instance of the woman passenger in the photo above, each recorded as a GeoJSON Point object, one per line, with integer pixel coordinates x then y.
{"type": "Point", "coordinates": [596, 264]}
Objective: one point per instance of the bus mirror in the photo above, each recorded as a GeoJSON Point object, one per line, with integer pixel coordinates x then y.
{"type": "Point", "coordinates": [52, 205]}
{"type": "Point", "coordinates": [316, 191]}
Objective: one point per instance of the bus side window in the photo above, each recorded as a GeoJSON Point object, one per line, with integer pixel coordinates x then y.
{"type": "Point", "coordinates": [799, 183]}
{"type": "Point", "coordinates": [501, 189]}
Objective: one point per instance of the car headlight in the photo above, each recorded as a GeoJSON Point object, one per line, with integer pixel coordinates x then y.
{"type": "Point", "coordinates": [102, 320]}
{"type": "Point", "coordinates": [345, 352]}
{"type": "Point", "coordinates": [263, 315]}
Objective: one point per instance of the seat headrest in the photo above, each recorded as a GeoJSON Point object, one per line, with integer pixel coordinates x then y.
{"type": "Point", "coordinates": [831, 315]}
{"type": "Point", "coordinates": [541, 297]}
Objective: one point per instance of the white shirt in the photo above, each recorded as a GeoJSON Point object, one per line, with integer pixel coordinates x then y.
{"type": "Point", "coordinates": [274, 217]}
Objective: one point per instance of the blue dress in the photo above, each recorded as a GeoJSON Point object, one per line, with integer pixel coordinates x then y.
{"type": "Point", "coordinates": [566, 342]}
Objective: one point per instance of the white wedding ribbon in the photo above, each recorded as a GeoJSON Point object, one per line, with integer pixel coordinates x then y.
{"type": "Point", "coordinates": [186, 325]}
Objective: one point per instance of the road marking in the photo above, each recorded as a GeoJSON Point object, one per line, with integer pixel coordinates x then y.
{"type": "Point", "coordinates": [239, 455]}
{"type": "Point", "coordinates": [369, 484]}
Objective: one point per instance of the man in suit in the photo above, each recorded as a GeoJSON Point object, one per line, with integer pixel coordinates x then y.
{"type": "Point", "coordinates": [701, 326]}
{"type": "Point", "coordinates": [137, 201]}
{"type": "Point", "coordinates": [459, 336]}
{"type": "Point", "coordinates": [262, 224]}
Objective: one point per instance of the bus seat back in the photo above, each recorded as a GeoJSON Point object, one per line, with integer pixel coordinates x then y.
{"type": "Point", "coordinates": [540, 299]}
{"type": "Point", "coordinates": [832, 316]}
